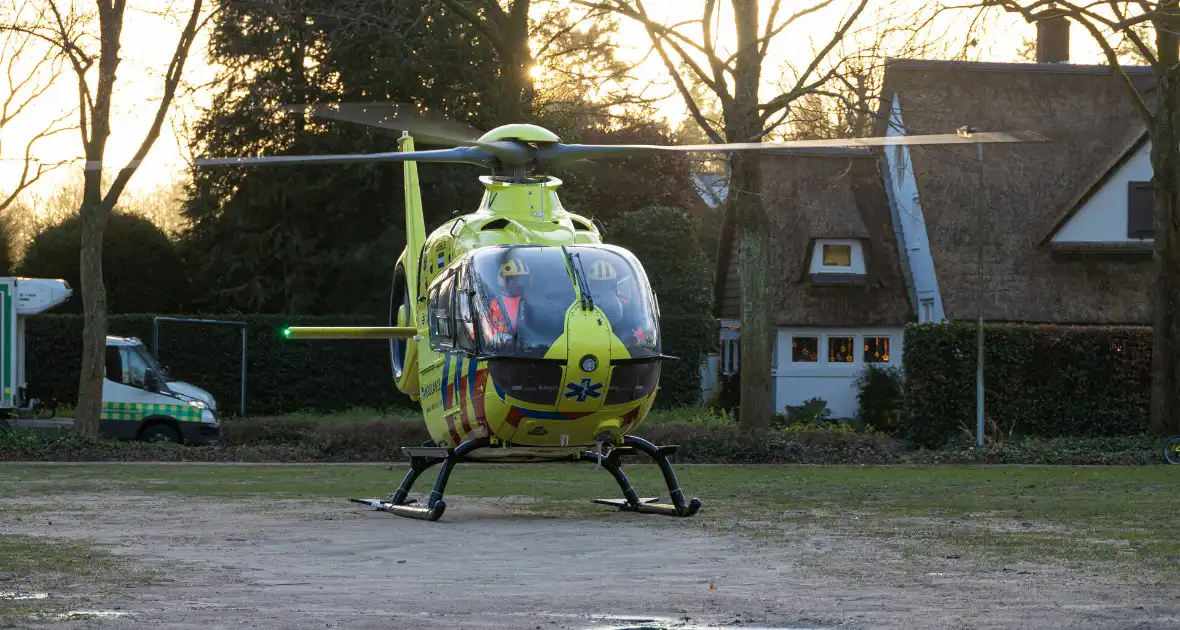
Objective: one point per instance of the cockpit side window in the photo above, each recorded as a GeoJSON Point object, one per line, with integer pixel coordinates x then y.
{"type": "Point", "coordinates": [464, 317]}
{"type": "Point", "coordinates": [440, 305]}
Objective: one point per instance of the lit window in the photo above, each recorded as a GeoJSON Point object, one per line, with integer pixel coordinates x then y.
{"type": "Point", "coordinates": [876, 350]}
{"type": "Point", "coordinates": [840, 349]}
{"type": "Point", "coordinates": [837, 255]}
{"type": "Point", "coordinates": [804, 349]}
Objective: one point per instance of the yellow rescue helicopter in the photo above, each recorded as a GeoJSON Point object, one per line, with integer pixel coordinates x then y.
{"type": "Point", "coordinates": [524, 336]}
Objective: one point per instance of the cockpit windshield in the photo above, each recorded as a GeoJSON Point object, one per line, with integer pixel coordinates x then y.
{"type": "Point", "coordinates": [522, 294]}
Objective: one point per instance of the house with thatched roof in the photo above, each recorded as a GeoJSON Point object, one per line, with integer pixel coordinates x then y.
{"type": "Point", "coordinates": [840, 300]}
{"type": "Point", "coordinates": [1059, 232]}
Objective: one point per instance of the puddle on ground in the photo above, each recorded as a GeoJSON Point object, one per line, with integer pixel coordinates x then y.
{"type": "Point", "coordinates": [92, 614]}
{"type": "Point", "coordinates": [18, 595]}
{"type": "Point", "coordinates": [657, 623]}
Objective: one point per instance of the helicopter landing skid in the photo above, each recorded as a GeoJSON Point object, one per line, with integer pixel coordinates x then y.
{"type": "Point", "coordinates": [631, 501]}
{"type": "Point", "coordinates": [423, 458]}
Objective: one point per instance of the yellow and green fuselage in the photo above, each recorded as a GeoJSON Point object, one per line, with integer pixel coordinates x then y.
{"type": "Point", "coordinates": [532, 406]}
{"type": "Point", "coordinates": [465, 398]}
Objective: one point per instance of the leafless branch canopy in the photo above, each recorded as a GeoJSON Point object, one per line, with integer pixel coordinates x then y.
{"type": "Point", "coordinates": [73, 42]}
{"type": "Point", "coordinates": [1114, 25]}
{"type": "Point", "coordinates": [30, 69]}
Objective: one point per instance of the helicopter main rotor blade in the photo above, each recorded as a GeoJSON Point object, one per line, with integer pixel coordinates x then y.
{"type": "Point", "coordinates": [396, 116]}
{"type": "Point", "coordinates": [564, 152]}
{"type": "Point", "coordinates": [428, 127]}
{"type": "Point", "coordinates": [462, 155]}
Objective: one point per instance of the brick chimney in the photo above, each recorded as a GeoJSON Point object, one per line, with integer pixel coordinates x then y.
{"type": "Point", "coordinates": [1052, 36]}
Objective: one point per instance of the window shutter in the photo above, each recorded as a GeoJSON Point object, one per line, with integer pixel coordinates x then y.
{"type": "Point", "coordinates": [1140, 210]}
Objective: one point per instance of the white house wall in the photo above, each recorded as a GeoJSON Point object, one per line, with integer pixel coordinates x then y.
{"type": "Point", "coordinates": [834, 382]}
{"type": "Point", "coordinates": [1103, 217]}
{"type": "Point", "coordinates": [903, 192]}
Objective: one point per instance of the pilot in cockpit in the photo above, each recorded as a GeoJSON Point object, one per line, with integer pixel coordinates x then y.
{"type": "Point", "coordinates": [606, 288]}
{"type": "Point", "coordinates": [504, 310]}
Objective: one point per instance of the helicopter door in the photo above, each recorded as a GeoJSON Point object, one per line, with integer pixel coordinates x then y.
{"type": "Point", "coordinates": [452, 363]}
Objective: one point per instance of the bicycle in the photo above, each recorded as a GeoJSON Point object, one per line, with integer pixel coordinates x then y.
{"type": "Point", "coordinates": [1172, 450]}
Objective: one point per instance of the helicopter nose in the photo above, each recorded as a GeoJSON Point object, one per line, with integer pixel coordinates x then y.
{"type": "Point", "coordinates": [587, 371]}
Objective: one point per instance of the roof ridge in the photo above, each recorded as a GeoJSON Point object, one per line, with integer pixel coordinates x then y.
{"type": "Point", "coordinates": [1007, 66]}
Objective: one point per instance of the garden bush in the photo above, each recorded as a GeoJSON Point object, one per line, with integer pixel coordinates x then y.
{"type": "Point", "coordinates": [879, 397]}
{"type": "Point", "coordinates": [143, 272]}
{"type": "Point", "coordinates": [1039, 380]}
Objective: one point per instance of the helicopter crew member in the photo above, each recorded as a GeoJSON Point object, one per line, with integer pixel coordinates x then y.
{"type": "Point", "coordinates": [504, 311]}
{"type": "Point", "coordinates": [604, 280]}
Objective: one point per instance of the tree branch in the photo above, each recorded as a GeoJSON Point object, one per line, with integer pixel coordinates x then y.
{"type": "Point", "coordinates": [42, 168]}
{"type": "Point", "coordinates": [785, 99]}
{"type": "Point", "coordinates": [710, 52]}
{"type": "Point", "coordinates": [694, 111]}
{"type": "Point", "coordinates": [479, 23]}
{"type": "Point", "coordinates": [1111, 56]}
{"type": "Point", "coordinates": [1133, 36]}
{"type": "Point", "coordinates": [171, 79]}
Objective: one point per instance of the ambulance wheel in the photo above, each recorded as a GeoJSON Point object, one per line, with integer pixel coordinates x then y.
{"type": "Point", "coordinates": [160, 433]}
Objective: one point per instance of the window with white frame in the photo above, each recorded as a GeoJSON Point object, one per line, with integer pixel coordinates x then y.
{"type": "Point", "coordinates": [841, 257]}
{"type": "Point", "coordinates": [804, 349]}
{"type": "Point", "coordinates": [731, 354]}
{"type": "Point", "coordinates": [876, 349]}
{"type": "Point", "coordinates": [926, 315]}
{"type": "Point", "coordinates": [837, 255]}
{"type": "Point", "coordinates": [841, 349]}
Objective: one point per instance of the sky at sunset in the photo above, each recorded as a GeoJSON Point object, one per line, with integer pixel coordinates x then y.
{"type": "Point", "coordinates": [149, 39]}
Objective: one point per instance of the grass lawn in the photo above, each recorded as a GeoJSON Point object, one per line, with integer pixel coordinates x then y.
{"type": "Point", "coordinates": [1071, 515]}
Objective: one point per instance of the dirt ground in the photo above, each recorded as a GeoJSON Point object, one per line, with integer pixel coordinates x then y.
{"type": "Point", "coordinates": [332, 564]}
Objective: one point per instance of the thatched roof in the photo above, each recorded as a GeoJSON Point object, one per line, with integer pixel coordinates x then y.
{"type": "Point", "coordinates": [1088, 118]}
{"type": "Point", "coordinates": [834, 194]}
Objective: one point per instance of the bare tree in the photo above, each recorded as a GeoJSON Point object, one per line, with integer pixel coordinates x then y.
{"type": "Point", "coordinates": [848, 106]}
{"type": "Point", "coordinates": [64, 26]}
{"type": "Point", "coordinates": [1141, 31]}
{"type": "Point", "coordinates": [734, 80]}
{"type": "Point", "coordinates": [25, 87]}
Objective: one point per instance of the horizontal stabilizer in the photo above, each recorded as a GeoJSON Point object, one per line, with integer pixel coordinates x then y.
{"type": "Point", "coordinates": [349, 332]}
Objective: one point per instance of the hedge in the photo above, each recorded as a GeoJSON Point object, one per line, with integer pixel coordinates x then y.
{"type": "Point", "coordinates": [286, 375]}
{"type": "Point", "coordinates": [1039, 380]}
{"type": "Point", "coordinates": [377, 440]}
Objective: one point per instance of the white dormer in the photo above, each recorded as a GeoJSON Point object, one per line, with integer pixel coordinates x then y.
{"type": "Point", "coordinates": [837, 261]}
{"type": "Point", "coordinates": [1115, 211]}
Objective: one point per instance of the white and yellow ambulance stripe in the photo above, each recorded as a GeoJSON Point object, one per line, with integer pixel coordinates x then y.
{"type": "Point", "coordinates": [139, 411]}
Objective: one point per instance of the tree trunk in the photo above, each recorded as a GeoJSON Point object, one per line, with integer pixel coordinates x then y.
{"type": "Point", "coordinates": [757, 325]}
{"type": "Point", "coordinates": [94, 211]}
{"type": "Point", "coordinates": [742, 124]}
{"type": "Point", "coordinates": [94, 307]}
{"type": "Point", "coordinates": [516, 82]}
{"type": "Point", "coordinates": [1165, 353]}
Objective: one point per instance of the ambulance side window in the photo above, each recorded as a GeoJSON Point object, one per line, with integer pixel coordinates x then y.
{"type": "Point", "coordinates": [134, 369]}
{"type": "Point", "coordinates": [113, 365]}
